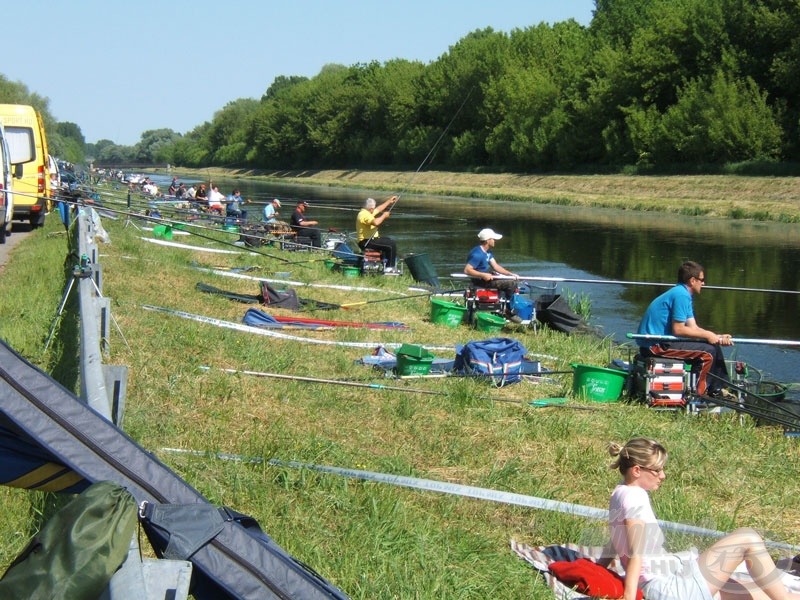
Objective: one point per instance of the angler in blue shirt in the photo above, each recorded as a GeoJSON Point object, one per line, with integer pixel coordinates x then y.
{"type": "Point", "coordinates": [672, 314]}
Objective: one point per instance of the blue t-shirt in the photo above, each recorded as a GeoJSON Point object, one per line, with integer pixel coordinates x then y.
{"type": "Point", "coordinates": [233, 202]}
{"type": "Point", "coordinates": [673, 305]}
{"type": "Point", "coordinates": [479, 259]}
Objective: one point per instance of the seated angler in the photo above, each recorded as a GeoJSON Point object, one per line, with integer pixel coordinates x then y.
{"type": "Point", "coordinates": [672, 314]}
{"type": "Point", "coordinates": [306, 227]}
{"type": "Point", "coordinates": [482, 265]}
{"type": "Point", "coordinates": [233, 206]}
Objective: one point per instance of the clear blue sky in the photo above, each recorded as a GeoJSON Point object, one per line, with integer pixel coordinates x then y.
{"type": "Point", "coordinates": [118, 68]}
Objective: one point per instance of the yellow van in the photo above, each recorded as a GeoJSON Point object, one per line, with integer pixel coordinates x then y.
{"type": "Point", "coordinates": [26, 138]}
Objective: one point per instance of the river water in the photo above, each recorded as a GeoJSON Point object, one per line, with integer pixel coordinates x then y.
{"type": "Point", "coordinates": [603, 244]}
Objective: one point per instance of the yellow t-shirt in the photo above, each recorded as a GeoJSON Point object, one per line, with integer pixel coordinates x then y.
{"type": "Point", "coordinates": [365, 225]}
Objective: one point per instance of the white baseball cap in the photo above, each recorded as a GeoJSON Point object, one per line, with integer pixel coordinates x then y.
{"type": "Point", "coordinates": [488, 234]}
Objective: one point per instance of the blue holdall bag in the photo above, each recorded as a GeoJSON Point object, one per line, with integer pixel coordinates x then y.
{"type": "Point", "coordinates": [499, 359]}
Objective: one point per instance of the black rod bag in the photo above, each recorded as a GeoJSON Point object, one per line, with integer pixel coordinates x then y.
{"type": "Point", "coordinates": [555, 312]}
{"type": "Point", "coordinates": [238, 562]}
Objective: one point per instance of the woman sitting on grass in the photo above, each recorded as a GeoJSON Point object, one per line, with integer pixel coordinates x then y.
{"type": "Point", "coordinates": [637, 539]}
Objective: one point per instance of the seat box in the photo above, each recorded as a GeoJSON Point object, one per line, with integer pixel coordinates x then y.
{"type": "Point", "coordinates": [371, 263]}
{"type": "Point", "coordinates": [667, 383]}
{"type": "Point", "coordinates": [660, 382]}
{"type": "Point", "coordinates": [663, 366]}
{"type": "Point", "coordinates": [665, 400]}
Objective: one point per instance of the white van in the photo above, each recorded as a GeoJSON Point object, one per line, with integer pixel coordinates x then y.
{"type": "Point", "coordinates": [6, 187]}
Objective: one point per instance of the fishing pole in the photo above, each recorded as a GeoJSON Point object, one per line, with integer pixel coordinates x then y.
{"type": "Point", "coordinates": [457, 489]}
{"type": "Point", "coordinates": [427, 156]}
{"type": "Point", "coordinates": [426, 295]}
{"type": "Point", "coordinates": [675, 338]}
{"type": "Point", "coordinates": [621, 282]}
{"type": "Point", "coordinates": [438, 141]}
{"type": "Point", "coordinates": [172, 223]}
{"type": "Point", "coordinates": [372, 386]}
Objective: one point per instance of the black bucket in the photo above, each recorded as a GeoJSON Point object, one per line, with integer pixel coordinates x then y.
{"type": "Point", "coordinates": [421, 269]}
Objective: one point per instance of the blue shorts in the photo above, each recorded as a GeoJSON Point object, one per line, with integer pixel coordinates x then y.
{"type": "Point", "coordinates": [686, 584]}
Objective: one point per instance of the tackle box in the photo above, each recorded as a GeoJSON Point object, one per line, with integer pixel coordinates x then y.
{"type": "Point", "coordinates": [661, 382]}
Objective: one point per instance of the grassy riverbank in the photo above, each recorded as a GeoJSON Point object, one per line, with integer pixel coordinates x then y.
{"type": "Point", "coordinates": [375, 540]}
{"type": "Point", "coordinates": [759, 198]}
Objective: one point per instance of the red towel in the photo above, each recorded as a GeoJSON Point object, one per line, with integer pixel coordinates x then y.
{"type": "Point", "coordinates": [590, 578]}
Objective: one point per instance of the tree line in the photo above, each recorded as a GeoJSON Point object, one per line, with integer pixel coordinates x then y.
{"type": "Point", "coordinates": [647, 84]}
{"type": "Point", "coordinates": [64, 139]}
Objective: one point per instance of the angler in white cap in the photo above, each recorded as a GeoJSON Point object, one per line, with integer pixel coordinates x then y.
{"type": "Point", "coordinates": [482, 266]}
{"type": "Point", "coordinates": [271, 211]}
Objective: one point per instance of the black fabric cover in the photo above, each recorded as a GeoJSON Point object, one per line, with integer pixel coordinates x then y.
{"type": "Point", "coordinates": [555, 312]}
{"type": "Point", "coordinates": [244, 298]}
{"type": "Point", "coordinates": [272, 297]}
{"type": "Point", "coordinates": [239, 563]}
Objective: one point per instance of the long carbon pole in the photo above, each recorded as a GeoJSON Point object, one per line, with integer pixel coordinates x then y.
{"type": "Point", "coordinates": [466, 491]}
{"type": "Point", "coordinates": [621, 282]}
{"type": "Point", "coordinates": [427, 156]}
{"type": "Point", "coordinates": [374, 386]}
{"type": "Point", "coordinates": [675, 338]}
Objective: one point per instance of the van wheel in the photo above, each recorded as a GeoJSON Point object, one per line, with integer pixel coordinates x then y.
{"type": "Point", "coordinates": [37, 221]}
{"type": "Point", "coordinates": [4, 233]}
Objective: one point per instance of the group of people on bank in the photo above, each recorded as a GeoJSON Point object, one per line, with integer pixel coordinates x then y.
{"type": "Point", "coordinates": [670, 315]}
{"type": "Point", "coordinates": [668, 329]}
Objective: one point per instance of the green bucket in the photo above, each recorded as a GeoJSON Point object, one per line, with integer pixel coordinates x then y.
{"type": "Point", "coordinates": [597, 383]}
{"type": "Point", "coordinates": [447, 313]}
{"type": "Point", "coordinates": [413, 360]}
{"type": "Point", "coordinates": [485, 321]}
{"type": "Point", "coordinates": [162, 231]}
{"type": "Point", "coordinates": [329, 264]}
{"type": "Point", "coordinates": [351, 271]}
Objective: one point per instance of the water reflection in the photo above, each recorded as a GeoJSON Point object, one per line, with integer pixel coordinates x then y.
{"type": "Point", "coordinates": [556, 241]}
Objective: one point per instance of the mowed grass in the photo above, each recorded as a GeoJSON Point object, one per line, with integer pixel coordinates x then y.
{"type": "Point", "coordinates": [374, 540]}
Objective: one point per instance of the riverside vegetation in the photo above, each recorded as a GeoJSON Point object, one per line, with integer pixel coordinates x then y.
{"type": "Point", "coordinates": [373, 540]}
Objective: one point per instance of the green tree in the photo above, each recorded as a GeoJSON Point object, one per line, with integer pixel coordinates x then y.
{"type": "Point", "coordinates": [72, 131]}
{"type": "Point", "coordinates": [452, 94]}
{"type": "Point", "coordinates": [151, 147]}
{"type": "Point", "coordinates": [532, 101]}
{"type": "Point", "coordinates": [279, 128]}
{"type": "Point", "coordinates": [227, 135]}
{"type": "Point", "coordinates": [716, 120]}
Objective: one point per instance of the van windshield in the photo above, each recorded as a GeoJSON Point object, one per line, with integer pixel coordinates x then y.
{"type": "Point", "coordinates": [20, 144]}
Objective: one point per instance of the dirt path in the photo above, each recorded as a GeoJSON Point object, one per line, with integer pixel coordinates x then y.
{"type": "Point", "coordinates": [20, 232]}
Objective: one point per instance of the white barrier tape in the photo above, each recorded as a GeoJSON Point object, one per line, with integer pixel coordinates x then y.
{"type": "Point", "coordinates": [458, 489]}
